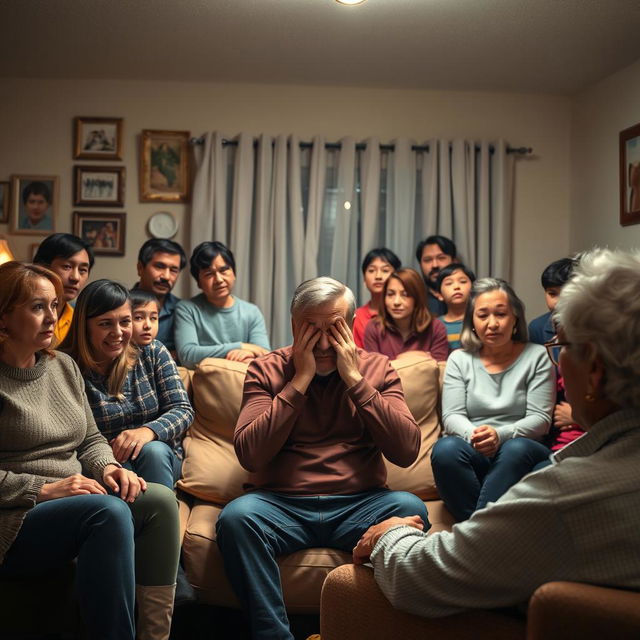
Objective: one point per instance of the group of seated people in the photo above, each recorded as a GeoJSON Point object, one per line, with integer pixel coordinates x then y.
{"type": "Point", "coordinates": [100, 420]}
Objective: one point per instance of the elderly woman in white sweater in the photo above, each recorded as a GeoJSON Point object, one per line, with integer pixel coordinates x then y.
{"type": "Point", "coordinates": [575, 520]}
{"type": "Point", "coordinates": [62, 493]}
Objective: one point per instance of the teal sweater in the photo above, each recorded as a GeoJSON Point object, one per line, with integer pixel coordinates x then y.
{"type": "Point", "coordinates": [203, 330]}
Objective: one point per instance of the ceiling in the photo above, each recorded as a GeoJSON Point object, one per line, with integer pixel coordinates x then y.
{"type": "Point", "coordinates": [541, 46]}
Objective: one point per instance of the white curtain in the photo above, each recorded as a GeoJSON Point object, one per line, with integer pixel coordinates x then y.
{"type": "Point", "coordinates": [292, 212]}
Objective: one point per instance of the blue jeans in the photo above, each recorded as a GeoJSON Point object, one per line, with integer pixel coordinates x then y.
{"type": "Point", "coordinates": [255, 528]}
{"type": "Point", "coordinates": [157, 462]}
{"type": "Point", "coordinates": [468, 480]}
{"type": "Point", "coordinates": [98, 530]}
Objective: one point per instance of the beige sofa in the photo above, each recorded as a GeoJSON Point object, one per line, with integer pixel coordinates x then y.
{"type": "Point", "coordinates": [212, 477]}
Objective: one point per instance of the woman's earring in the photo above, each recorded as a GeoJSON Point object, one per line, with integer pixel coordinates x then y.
{"type": "Point", "coordinates": [589, 397]}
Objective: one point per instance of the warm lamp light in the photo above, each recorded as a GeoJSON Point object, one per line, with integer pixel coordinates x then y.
{"type": "Point", "coordinates": [5, 251]}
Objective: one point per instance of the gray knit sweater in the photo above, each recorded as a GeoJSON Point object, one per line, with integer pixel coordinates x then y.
{"type": "Point", "coordinates": [47, 432]}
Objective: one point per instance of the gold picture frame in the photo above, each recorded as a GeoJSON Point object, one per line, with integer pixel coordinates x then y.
{"type": "Point", "coordinates": [98, 186]}
{"type": "Point", "coordinates": [97, 138]}
{"type": "Point", "coordinates": [39, 216]}
{"type": "Point", "coordinates": [165, 172]}
{"type": "Point", "coordinates": [104, 231]}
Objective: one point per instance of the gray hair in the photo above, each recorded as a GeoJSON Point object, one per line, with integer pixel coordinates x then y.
{"type": "Point", "coordinates": [468, 339]}
{"type": "Point", "coordinates": [599, 312]}
{"type": "Point", "coordinates": [319, 291]}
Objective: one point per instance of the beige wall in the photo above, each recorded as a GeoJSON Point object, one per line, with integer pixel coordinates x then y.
{"type": "Point", "coordinates": [599, 114]}
{"type": "Point", "coordinates": [36, 120]}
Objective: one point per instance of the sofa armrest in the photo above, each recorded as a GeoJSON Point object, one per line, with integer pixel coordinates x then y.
{"type": "Point", "coordinates": [571, 610]}
{"type": "Point", "coordinates": [352, 606]}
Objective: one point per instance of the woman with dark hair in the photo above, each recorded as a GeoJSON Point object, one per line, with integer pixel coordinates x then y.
{"type": "Point", "coordinates": [497, 402]}
{"type": "Point", "coordinates": [405, 323]}
{"type": "Point", "coordinates": [57, 473]}
{"type": "Point", "coordinates": [136, 394]}
{"type": "Point", "coordinates": [71, 258]}
{"type": "Point", "coordinates": [377, 266]}
{"type": "Point", "coordinates": [215, 323]}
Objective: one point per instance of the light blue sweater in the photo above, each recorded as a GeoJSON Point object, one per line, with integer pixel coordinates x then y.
{"type": "Point", "coordinates": [516, 402]}
{"type": "Point", "coordinates": [203, 330]}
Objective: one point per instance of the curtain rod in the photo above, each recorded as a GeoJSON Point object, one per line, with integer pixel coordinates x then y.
{"type": "Point", "coordinates": [361, 146]}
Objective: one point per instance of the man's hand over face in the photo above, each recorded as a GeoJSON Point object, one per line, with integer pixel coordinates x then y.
{"type": "Point", "coordinates": [305, 338]}
{"type": "Point", "coordinates": [341, 339]}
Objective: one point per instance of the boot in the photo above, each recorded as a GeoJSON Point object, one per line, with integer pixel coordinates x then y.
{"type": "Point", "coordinates": [155, 610]}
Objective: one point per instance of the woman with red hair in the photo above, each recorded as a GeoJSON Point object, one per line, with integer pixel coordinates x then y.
{"type": "Point", "coordinates": [406, 323]}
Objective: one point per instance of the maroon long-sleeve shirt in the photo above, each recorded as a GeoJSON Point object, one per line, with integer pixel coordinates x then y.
{"type": "Point", "coordinates": [329, 440]}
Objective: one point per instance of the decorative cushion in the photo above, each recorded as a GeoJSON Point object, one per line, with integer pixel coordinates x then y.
{"type": "Point", "coordinates": [211, 470]}
{"type": "Point", "coordinates": [420, 377]}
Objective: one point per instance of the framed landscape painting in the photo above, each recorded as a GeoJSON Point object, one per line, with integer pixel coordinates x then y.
{"type": "Point", "coordinates": [97, 138]}
{"type": "Point", "coordinates": [105, 232]}
{"type": "Point", "coordinates": [165, 166]}
{"type": "Point", "coordinates": [630, 175]}
{"type": "Point", "coordinates": [34, 204]}
{"type": "Point", "coordinates": [98, 186]}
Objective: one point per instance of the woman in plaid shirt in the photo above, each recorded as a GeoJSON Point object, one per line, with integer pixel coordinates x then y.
{"type": "Point", "coordinates": [136, 394]}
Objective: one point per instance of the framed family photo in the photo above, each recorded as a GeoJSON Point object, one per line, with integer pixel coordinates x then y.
{"type": "Point", "coordinates": [97, 138]}
{"type": "Point", "coordinates": [105, 232]}
{"type": "Point", "coordinates": [98, 186]}
{"type": "Point", "coordinates": [5, 201]}
{"type": "Point", "coordinates": [630, 175]}
{"type": "Point", "coordinates": [34, 204]}
{"type": "Point", "coordinates": [165, 166]}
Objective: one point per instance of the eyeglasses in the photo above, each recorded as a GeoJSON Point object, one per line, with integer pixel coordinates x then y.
{"type": "Point", "coordinates": [553, 348]}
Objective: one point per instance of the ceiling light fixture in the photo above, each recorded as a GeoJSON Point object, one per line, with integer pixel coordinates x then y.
{"type": "Point", "coordinates": [350, 1]}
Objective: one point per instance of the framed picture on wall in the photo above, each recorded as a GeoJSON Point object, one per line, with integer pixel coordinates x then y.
{"type": "Point", "coordinates": [97, 138]}
{"type": "Point", "coordinates": [630, 175]}
{"type": "Point", "coordinates": [5, 201]}
{"type": "Point", "coordinates": [165, 166]}
{"type": "Point", "coordinates": [105, 232]}
{"type": "Point", "coordinates": [98, 186]}
{"type": "Point", "coordinates": [34, 204]}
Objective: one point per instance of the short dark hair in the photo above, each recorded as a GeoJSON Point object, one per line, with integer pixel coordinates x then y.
{"type": "Point", "coordinates": [445, 272]}
{"type": "Point", "coordinates": [205, 253]}
{"type": "Point", "coordinates": [162, 245]}
{"type": "Point", "coordinates": [384, 254]}
{"type": "Point", "coordinates": [62, 245]}
{"type": "Point", "coordinates": [557, 273]}
{"type": "Point", "coordinates": [141, 298]}
{"type": "Point", "coordinates": [36, 189]}
{"type": "Point", "coordinates": [446, 246]}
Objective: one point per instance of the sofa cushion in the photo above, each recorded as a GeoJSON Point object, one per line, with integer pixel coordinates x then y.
{"type": "Point", "coordinates": [420, 377]}
{"type": "Point", "coordinates": [211, 470]}
{"type": "Point", "coordinates": [302, 573]}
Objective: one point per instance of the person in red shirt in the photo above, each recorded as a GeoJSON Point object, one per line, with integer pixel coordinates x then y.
{"type": "Point", "coordinates": [377, 266]}
{"type": "Point", "coordinates": [315, 421]}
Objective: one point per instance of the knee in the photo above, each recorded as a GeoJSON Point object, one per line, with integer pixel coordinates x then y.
{"type": "Point", "coordinates": [518, 449]}
{"type": "Point", "coordinates": [155, 451]}
{"type": "Point", "coordinates": [407, 504]}
{"type": "Point", "coordinates": [158, 502]}
{"type": "Point", "coordinates": [115, 516]}
{"type": "Point", "coordinates": [236, 517]}
{"type": "Point", "coordinates": [448, 450]}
